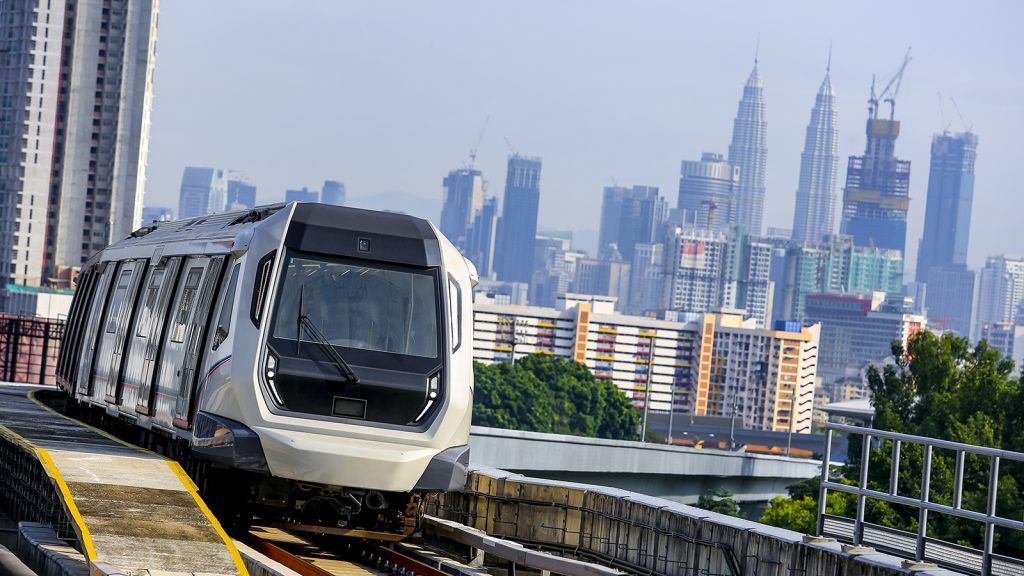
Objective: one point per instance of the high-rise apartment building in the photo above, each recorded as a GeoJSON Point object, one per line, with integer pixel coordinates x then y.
{"type": "Point", "coordinates": [333, 192]}
{"type": "Point", "coordinates": [203, 191]}
{"type": "Point", "coordinates": [815, 212]}
{"type": "Point", "coordinates": [463, 200]}
{"type": "Point", "coordinates": [1000, 291]}
{"type": "Point", "coordinates": [240, 192]}
{"type": "Point", "coordinates": [877, 193]}
{"type": "Point", "coordinates": [480, 241]}
{"type": "Point", "coordinates": [716, 365]}
{"type": "Point", "coordinates": [74, 131]}
{"type": "Point", "coordinates": [835, 266]}
{"type": "Point", "coordinates": [949, 297]}
{"type": "Point", "coordinates": [646, 279]}
{"type": "Point", "coordinates": [707, 190]}
{"type": "Point", "coordinates": [749, 153]}
{"type": "Point", "coordinates": [304, 195]}
{"type": "Point", "coordinates": [517, 227]}
{"type": "Point", "coordinates": [629, 216]}
{"type": "Point", "coordinates": [705, 271]}
{"type": "Point", "coordinates": [602, 277]}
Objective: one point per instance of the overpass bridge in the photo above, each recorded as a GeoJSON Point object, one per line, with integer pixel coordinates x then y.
{"type": "Point", "coordinates": [675, 473]}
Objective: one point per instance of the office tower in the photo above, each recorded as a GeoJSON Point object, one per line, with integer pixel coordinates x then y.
{"type": "Point", "coordinates": [304, 195]}
{"type": "Point", "coordinates": [629, 216]}
{"type": "Point", "coordinates": [241, 193]}
{"type": "Point", "coordinates": [947, 218]}
{"type": "Point", "coordinates": [602, 277]}
{"type": "Point", "coordinates": [749, 153]}
{"type": "Point", "coordinates": [553, 268]}
{"type": "Point", "coordinates": [949, 297]}
{"type": "Point", "coordinates": [156, 214]}
{"type": "Point", "coordinates": [706, 192]}
{"type": "Point", "coordinates": [77, 79]}
{"type": "Point", "coordinates": [716, 365]}
{"type": "Point", "coordinates": [876, 197]}
{"type": "Point", "coordinates": [463, 200]}
{"type": "Point", "coordinates": [333, 192]}
{"type": "Point", "coordinates": [858, 329]}
{"type": "Point", "coordinates": [517, 227]}
{"type": "Point", "coordinates": [645, 279]}
{"type": "Point", "coordinates": [814, 216]}
{"type": "Point", "coordinates": [203, 191]}
{"type": "Point", "coordinates": [480, 241]}
{"type": "Point", "coordinates": [747, 284]}
{"type": "Point", "coordinates": [1000, 291]}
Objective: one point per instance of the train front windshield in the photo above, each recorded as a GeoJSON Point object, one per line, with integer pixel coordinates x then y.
{"type": "Point", "coordinates": [359, 306]}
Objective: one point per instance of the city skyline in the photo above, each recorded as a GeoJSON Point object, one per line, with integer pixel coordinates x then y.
{"type": "Point", "coordinates": [588, 134]}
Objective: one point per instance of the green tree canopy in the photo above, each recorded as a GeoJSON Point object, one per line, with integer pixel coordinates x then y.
{"type": "Point", "coordinates": [720, 500]}
{"type": "Point", "coordinates": [549, 394]}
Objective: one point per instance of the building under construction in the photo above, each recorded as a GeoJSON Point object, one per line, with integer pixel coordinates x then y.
{"type": "Point", "coordinates": [877, 193]}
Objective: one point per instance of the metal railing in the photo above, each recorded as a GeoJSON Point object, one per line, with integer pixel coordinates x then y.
{"type": "Point", "coordinates": [924, 548]}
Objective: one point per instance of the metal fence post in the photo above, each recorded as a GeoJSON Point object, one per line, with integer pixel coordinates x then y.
{"type": "Point", "coordinates": [894, 474]}
{"type": "Point", "coordinates": [858, 523]}
{"type": "Point", "coordinates": [822, 491]}
{"type": "Point", "coordinates": [922, 517]}
{"type": "Point", "coordinates": [958, 480]}
{"type": "Point", "coordinates": [990, 511]}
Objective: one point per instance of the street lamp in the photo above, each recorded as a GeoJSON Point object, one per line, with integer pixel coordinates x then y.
{"type": "Point", "coordinates": [647, 392]}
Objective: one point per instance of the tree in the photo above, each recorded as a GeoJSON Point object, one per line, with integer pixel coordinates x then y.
{"type": "Point", "coordinates": [549, 394]}
{"type": "Point", "coordinates": [719, 500]}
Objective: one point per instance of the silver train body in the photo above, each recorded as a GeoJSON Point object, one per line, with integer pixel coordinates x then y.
{"type": "Point", "coordinates": [312, 343]}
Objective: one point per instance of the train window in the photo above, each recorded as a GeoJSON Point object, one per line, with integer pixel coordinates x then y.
{"type": "Point", "coordinates": [188, 298]}
{"type": "Point", "coordinates": [149, 302]}
{"type": "Point", "coordinates": [114, 316]}
{"type": "Point", "coordinates": [455, 312]}
{"type": "Point", "coordinates": [226, 307]}
{"type": "Point", "coordinates": [262, 284]}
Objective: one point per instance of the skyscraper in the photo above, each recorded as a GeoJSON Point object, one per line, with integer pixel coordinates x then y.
{"type": "Point", "coordinates": [629, 216]}
{"type": "Point", "coordinates": [947, 218]}
{"type": "Point", "coordinates": [517, 227]}
{"type": "Point", "coordinates": [749, 153]}
{"type": "Point", "coordinates": [203, 191]}
{"type": "Point", "coordinates": [814, 216]}
{"type": "Point", "coordinates": [463, 200]}
{"type": "Point", "coordinates": [102, 128]}
{"type": "Point", "coordinates": [241, 192]}
{"type": "Point", "coordinates": [74, 134]}
{"type": "Point", "coordinates": [1000, 291]}
{"type": "Point", "coordinates": [333, 192]}
{"type": "Point", "coordinates": [877, 194]}
{"type": "Point", "coordinates": [706, 192]}
{"type": "Point", "coordinates": [480, 242]}
{"type": "Point", "coordinates": [304, 195]}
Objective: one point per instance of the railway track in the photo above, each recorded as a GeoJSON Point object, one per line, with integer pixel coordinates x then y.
{"type": "Point", "coordinates": [310, 556]}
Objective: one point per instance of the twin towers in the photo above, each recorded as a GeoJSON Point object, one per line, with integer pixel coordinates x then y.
{"type": "Point", "coordinates": [815, 197]}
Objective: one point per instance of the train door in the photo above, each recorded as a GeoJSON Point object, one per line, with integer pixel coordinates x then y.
{"type": "Point", "coordinates": [126, 310]}
{"type": "Point", "coordinates": [148, 335]}
{"type": "Point", "coordinates": [68, 360]}
{"type": "Point", "coordinates": [194, 341]}
{"type": "Point", "coordinates": [93, 325]}
{"type": "Point", "coordinates": [122, 296]}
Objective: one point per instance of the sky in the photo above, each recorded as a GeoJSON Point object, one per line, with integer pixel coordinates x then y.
{"type": "Point", "coordinates": [390, 96]}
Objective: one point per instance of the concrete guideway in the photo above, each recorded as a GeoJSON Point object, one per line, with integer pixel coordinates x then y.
{"type": "Point", "coordinates": [676, 473]}
{"type": "Point", "coordinates": [130, 508]}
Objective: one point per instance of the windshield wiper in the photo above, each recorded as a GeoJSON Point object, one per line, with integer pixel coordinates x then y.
{"type": "Point", "coordinates": [318, 337]}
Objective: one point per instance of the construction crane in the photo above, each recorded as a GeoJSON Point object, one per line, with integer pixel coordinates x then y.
{"type": "Point", "coordinates": [888, 94]}
{"type": "Point", "coordinates": [713, 205]}
{"type": "Point", "coordinates": [476, 146]}
{"type": "Point", "coordinates": [962, 121]}
{"type": "Point", "coordinates": [942, 113]}
{"type": "Point", "coordinates": [511, 150]}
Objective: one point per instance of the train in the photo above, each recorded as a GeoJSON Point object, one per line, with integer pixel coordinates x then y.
{"type": "Point", "coordinates": [310, 364]}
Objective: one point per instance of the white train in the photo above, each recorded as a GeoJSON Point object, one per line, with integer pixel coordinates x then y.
{"type": "Point", "coordinates": [316, 360]}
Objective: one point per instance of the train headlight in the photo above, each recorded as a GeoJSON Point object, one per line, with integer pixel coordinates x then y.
{"type": "Point", "coordinates": [271, 374]}
{"type": "Point", "coordinates": [433, 392]}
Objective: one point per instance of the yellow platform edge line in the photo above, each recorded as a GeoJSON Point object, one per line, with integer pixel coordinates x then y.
{"type": "Point", "coordinates": [186, 481]}
{"type": "Point", "coordinates": [54, 474]}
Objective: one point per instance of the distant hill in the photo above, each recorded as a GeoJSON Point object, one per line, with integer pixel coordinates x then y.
{"type": "Point", "coordinates": [404, 202]}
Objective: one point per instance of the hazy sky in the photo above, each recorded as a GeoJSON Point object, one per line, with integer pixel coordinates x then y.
{"type": "Point", "coordinates": [389, 96]}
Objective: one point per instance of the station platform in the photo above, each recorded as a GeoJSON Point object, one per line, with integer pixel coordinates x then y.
{"type": "Point", "coordinates": [129, 508]}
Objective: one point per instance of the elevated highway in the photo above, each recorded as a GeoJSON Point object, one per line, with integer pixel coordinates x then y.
{"type": "Point", "coordinates": [675, 473]}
